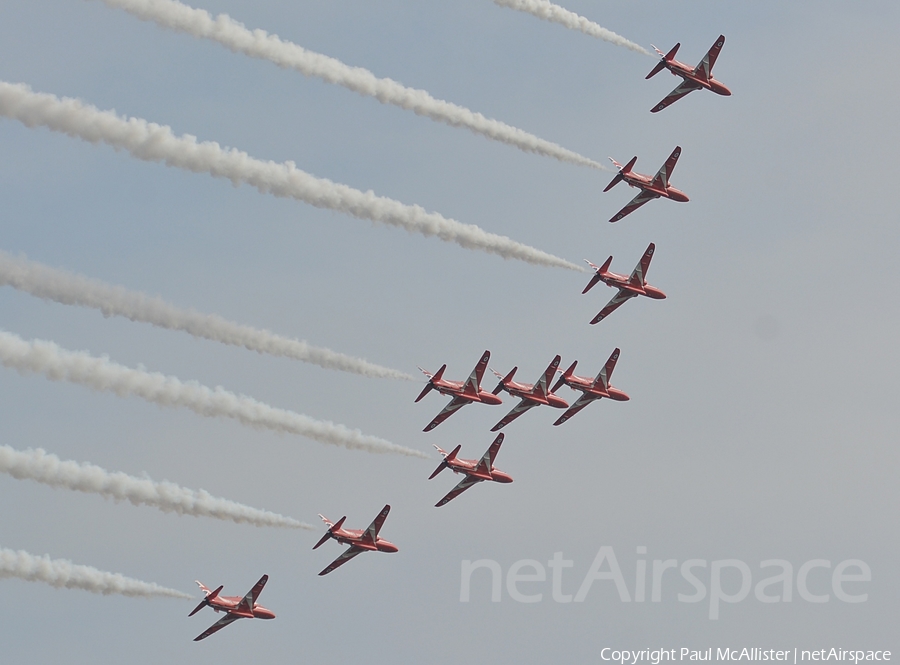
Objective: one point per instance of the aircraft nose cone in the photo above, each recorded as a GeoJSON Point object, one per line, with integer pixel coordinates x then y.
{"type": "Point", "coordinates": [388, 547]}
{"type": "Point", "coordinates": [678, 195]}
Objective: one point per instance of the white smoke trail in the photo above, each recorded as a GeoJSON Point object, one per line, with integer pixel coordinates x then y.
{"type": "Point", "coordinates": [43, 467]}
{"type": "Point", "coordinates": [58, 364]}
{"type": "Point", "coordinates": [60, 573]}
{"type": "Point", "coordinates": [155, 143]}
{"type": "Point", "coordinates": [556, 14]}
{"type": "Point", "coordinates": [72, 289]}
{"type": "Point", "coordinates": [260, 44]}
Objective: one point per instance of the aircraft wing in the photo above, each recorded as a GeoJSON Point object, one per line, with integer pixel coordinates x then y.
{"type": "Point", "coordinates": [661, 179]}
{"type": "Point", "coordinates": [217, 626]}
{"type": "Point", "coordinates": [348, 554]}
{"type": "Point", "coordinates": [463, 485]}
{"type": "Point", "coordinates": [246, 604]}
{"type": "Point", "coordinates": [635, 203]}
{"type": "Point", "coordinates": [543, 385]}
{"type": "Point", "coordinates": [371, 532]}
{"type": "Point", "coordinates": [606, 373]}
{"type": "Point", "coordinates": [486, 463]}
{"type": "Point", "coordinates": [583, 401]}
{"type": "Point", "coordinates": [473, 383]}
{"type": "Point", "coordinates": [639, 274]}
{"type": "Point", "coordinates": [684, 88]}
{"type": "Point", "coordinates": [617, 300]}
{"type": "Point", "coordinates": [704, 68]}
{"type": "Point", "coordinates": [455, 405]}
{"type": "Point", "coordinates": [517, 411]}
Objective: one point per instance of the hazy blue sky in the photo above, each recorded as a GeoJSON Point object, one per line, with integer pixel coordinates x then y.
{"type": "Point", "coordinates": [763, 419]}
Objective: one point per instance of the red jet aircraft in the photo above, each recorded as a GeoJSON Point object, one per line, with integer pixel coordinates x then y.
{"type": "Point", "coordinates": [532, 395]}
{"type": "Point", "coordinates": [235, 607]}
{"type": "Point", "coordinates": [593, 389]}
{"type": "Point", "coordinates": [651, 188]}
{"type": "Point", "coordinates": [359, 541]}
{"type": "Point", "coordinates": [694, 79]}
{"type": "Point", "coordinates": [474, 470]}
{"type": "Point", "coordinates": [629, 286]}
{"type": "Point", "coordinates": [463, 393]}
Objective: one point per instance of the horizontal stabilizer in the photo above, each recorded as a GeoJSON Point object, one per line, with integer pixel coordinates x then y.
{"type": "Point", "coordinates": [505, 380]}
{"type": "Point", "coordinates": [606, 264]}
{"type": "Point", "coordinates": [441, 467]}
{"type": "Point", "coordinates": [594, 280]}
{"type": "Point", "coordinates": [565, 375]}
{"type": "Point", "coordinates": [199, 607]}
{"type": "Point", "coordinates": [615, 181]}
{"type": "Point", "coordinates": [322, 540]}
{"type": "Point", "coordinates": [427, 389]}
{"type": "Point", "coordinates": [661, 65]}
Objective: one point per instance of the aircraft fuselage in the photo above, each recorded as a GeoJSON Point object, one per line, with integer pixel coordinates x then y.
{"type": "Point", "coordinates": [230, 603]}
{"type": "Point", "coordinates": [524, 390]}
{"type": "Point", "coordinates": [644, 182]}
{"type": "Point", "coordinates": [687, 73]}
{"type": "Point", "coordinates": [586, 385]}
{"type": "Point", "coordinates": [355, 537]}
{"type": "Point", "coordinates": [623, 282]}
{"type": "Point", "coordinates": [457, 389]}
{"type": "Point", "coordinates": [468, 466]}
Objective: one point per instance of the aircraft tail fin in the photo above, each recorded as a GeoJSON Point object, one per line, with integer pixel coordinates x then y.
{"type": "Point", "coordinates": [621, 174]}
{"type": "Point", "coordinates": [431, 381]}
{"type": "Point", "coordinates": [210, 595]}
{"type": "Point", "coordinates": [664, 59]}
{"type": "Point", "coordinates": [565, 375]}
{"type": "Point", "coordinates": [331, 529]}
{"type": "Point", "coordinates": [597, 274]}
{"type": "Point", "coordinates": [447, 458]}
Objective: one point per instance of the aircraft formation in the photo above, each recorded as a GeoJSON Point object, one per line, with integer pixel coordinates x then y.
{"type": "Point", "coordinates": [540, 393]}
